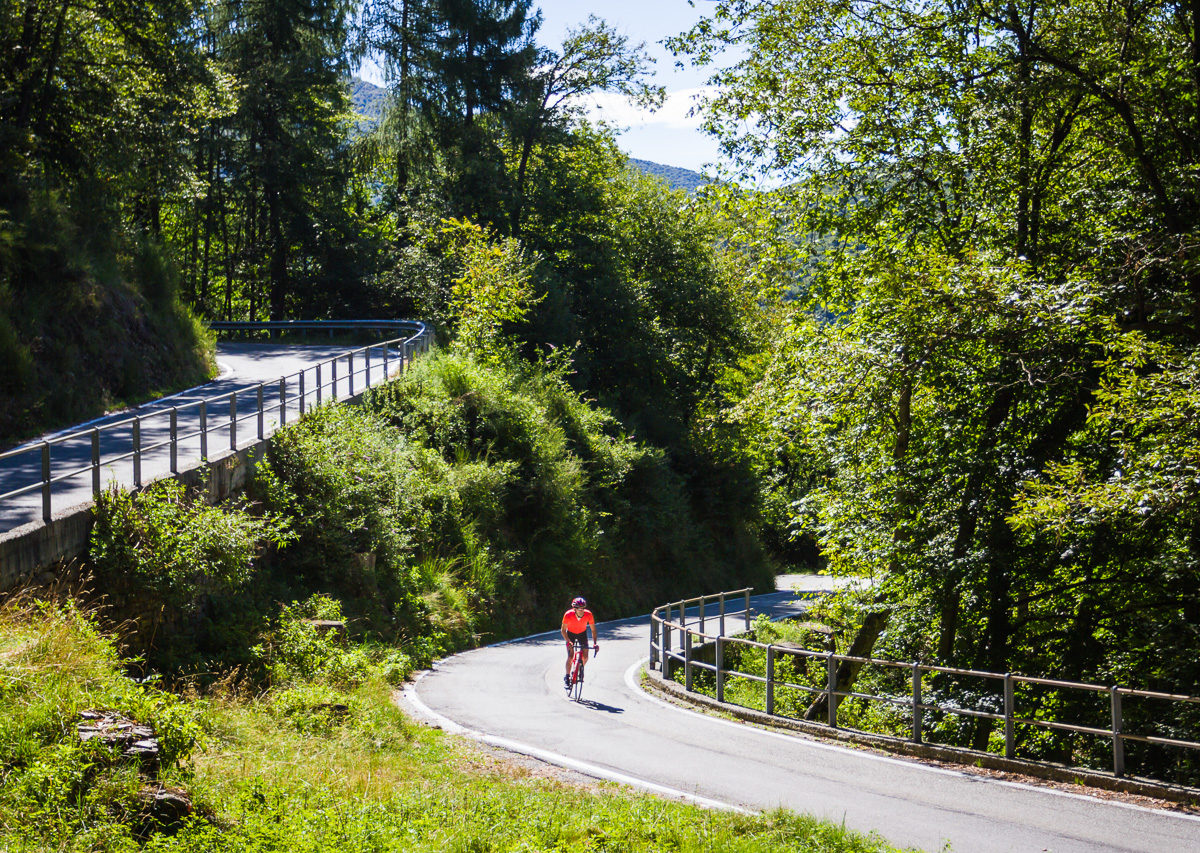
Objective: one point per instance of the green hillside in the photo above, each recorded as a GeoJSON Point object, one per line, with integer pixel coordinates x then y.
{"type": "Point", "coordinates": [677, 178]}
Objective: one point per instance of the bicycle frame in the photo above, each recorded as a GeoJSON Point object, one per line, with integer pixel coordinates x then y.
{"type": "Point", "coordinates": [577, 668]}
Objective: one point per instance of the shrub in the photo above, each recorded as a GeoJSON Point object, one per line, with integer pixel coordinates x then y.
{"type": "Point", "coordinates": [173, 544]}
{"type": "Point", "coordinates": [297, 651]}
{"type": "Point", "coordinates": [164, 556]}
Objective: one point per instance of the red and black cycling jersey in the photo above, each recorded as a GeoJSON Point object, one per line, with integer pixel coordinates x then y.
{"type": "Point", "coordinates": [578, 624]}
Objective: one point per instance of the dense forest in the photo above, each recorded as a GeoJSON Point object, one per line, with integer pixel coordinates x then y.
{"type": "Point", "coordinates": [956, 353]}
{"type": "Point", "coordinates": [984, 394]}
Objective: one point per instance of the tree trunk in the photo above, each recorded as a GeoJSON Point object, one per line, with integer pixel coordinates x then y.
{"type": "Point", "coordinates": [847, 671]}
{"type": "Point", "coordinates": [277, 295]}
{"type": "Point", "coordinates": [968, 517]}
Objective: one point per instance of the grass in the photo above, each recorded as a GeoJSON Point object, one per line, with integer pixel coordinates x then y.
{"type": "Point", "coordinates": [268, 773]}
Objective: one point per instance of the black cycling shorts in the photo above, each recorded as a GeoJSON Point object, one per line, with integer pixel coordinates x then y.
{"type": "Point", "coordinates": [579, 639]}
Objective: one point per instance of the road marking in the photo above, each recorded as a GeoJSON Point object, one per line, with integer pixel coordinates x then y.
{"type": "Point", "coordinates": [410, 695]}
{"type": "Point", "coordinates": [632, 684]}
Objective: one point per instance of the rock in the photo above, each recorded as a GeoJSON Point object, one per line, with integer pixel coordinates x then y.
{"type": "Point", "coordinates": [131, 738]}
{"type": "Point", "coordinates": [163, 809]}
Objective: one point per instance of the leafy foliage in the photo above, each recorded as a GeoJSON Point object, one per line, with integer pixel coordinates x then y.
{"type": "Point", "coordinates": [175, 545]}
{"type": "Point", "coordinates": [981, 399]}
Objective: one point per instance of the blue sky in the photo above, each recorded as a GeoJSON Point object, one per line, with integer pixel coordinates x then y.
{"type": "Point", "coordinates": [670, 135]}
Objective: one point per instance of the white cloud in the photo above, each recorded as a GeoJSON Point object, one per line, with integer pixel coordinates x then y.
{"type": "Point", "coordinates": [674, 113]}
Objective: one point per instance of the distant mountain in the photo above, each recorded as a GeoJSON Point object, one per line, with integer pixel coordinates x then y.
{"type": "Point", "coordinates": [368, 100]}
{"type": "Point", "coordinates": [676, 177]}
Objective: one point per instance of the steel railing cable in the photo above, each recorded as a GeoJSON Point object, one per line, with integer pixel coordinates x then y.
{"type": "Point", "coordinates": [129, 442]}
{"type": "Point", "coordinates": [673, 644]}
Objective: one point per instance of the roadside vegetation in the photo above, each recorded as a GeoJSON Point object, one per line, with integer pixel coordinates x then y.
{"type": "Point", "coordinates": [957, 352]}
{"type": "Point", "coordinates": [317, 757]}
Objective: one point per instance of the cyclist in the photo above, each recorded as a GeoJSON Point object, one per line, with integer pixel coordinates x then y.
{"type": "Point", "coordinates": [574, 630]}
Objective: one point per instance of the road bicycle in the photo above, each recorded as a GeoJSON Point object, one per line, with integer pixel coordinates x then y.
{"type": "Point", "coordinates": [575, 691]}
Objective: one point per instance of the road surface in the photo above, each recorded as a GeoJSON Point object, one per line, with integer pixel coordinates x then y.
{"type": "Point", "coordinates": [511, 695]}
{"type": "Point", "coordinates": [242, 366]}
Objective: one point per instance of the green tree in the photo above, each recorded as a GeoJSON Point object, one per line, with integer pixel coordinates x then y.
{"type": "Point", "coordinates": [593, 58]}
{"type": "Point", "coordinates": [493, 290]}
{"type": "Point", "coordinates": [402, 34]}
{"type": "Point", "coordinates": [989, 201]}
{"type": "Point", "coordinates": [290, 165]}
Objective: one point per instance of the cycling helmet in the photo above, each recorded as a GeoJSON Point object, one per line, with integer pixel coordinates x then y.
{"type": "Point", "coordinates": [578, 601]}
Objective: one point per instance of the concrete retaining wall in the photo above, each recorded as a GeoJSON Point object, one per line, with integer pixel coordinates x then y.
{"type": "Point", "coordinates": [32, 551]}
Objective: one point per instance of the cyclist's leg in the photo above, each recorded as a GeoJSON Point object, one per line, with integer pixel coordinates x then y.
{"type": "Point", "coordinates": [585, 649]}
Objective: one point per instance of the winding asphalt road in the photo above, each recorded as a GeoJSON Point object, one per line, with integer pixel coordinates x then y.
{"type": "Point", "coordinates": [243, 366]}
{"type": "Point", "coordinates": [511, 695]}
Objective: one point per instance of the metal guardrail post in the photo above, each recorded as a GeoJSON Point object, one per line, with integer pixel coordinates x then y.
{"type": "Point", "coordinates": [1117, 743]}
{"type": "Point", "coordinates": [203, 430]}
{"type": "Point", "coordinates": [46, 481]}
{"type": "Point", "coordinates": [1010, 738]}
{"type": "Point", "coordinates": [702, 614]}
{"type": "Point", "coordinates": [333, 378]}
{"type": "Point", "coordinates": [916, 703]}
{"type": "Point", "coordinates": [831, 688]}
{"type": "Point", "coordinates": [747, 611]}
{"type": "Point", "coordinates": [318, 384]}
{"type": "Point", "coordinates": [174, 440]}
{"type": "Point", "coordinates": [302, 393]}
{"type": "Point", "coordinates": [665, 645]}
{"type": "Point", "coordinates": [720, 669]}
{"type": "Point", "coordinates": [260, 411]}
{"type": "Point", "coordinates": [137, 452]}
{"type": "Point", "coordinates": [722, 615]}
{"type": "Point", "coordinates": [233, 421]}
{"type": "Point", "coordinates": [96, 463]}
{"type": "Point", "coordinates": [653, 636]}
{"type": "Point", "coordinates": [687, 661]}
{"type": "Point", "coordinates": [350, 371]}
{"type": "Point", "coordinates": [282, 401]}
{"type": "Point", "coordinates": [770, 706]}
{"type": "Point", "coordinates": [367, 360]}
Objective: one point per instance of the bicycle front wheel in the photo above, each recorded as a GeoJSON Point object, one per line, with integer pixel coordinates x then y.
{"type": "Point", "coordinates": [577, 685]}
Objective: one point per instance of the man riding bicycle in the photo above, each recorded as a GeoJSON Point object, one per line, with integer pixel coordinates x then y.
{"type": "Point", "coordinates": [575, 623]}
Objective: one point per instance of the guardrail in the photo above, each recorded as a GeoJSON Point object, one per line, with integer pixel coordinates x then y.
{"type": "Point", "coordinates": [54, 463]}
{"type": "Point", "coordinates": [666, 657]}
{"type": "Point", "coordinates": [274, 328]}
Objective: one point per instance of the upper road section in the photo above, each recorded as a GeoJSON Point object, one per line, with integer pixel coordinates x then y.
{"type": "Point", "coordinates": [260, 385]}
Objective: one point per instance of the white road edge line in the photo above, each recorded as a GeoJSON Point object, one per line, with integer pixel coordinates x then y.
{"type": "Point", "coordinates": [410, 695]}
{"type": "Point", "coordinates": [637, 688]}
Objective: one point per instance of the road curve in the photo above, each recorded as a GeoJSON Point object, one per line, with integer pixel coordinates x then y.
{"type": "Point", "coordinates": [511, 695]}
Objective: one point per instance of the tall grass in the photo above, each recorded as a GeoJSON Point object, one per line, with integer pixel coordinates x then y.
{"type": "Point", "coordinates": [56, 791]}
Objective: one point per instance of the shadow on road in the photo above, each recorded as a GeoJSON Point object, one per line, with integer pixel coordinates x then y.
{"type": "Point", "coordinates": [600, 706]}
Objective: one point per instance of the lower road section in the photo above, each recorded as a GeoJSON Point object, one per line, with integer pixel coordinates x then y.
{"type": "Point", "coordinates": [512, 694]}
